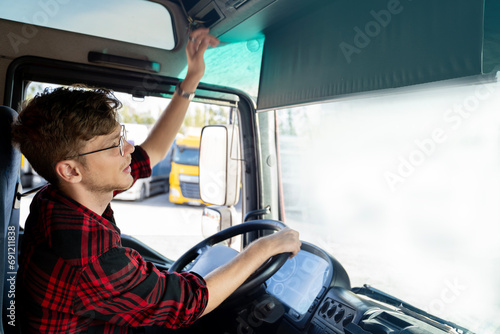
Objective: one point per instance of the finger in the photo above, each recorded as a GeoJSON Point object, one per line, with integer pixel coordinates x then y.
{"type": "Point", "coordinates": [197, 48]}
{"type": "Point", "coordinates": [192, 46]}
{"type": "Point", "coordinates": [198, 32]}
{"type": "Point", "coordinates": [213, 41]}
{"type": "Point", "coordinates": [203, 46]}
{"type": "Point", "coordinates": [208, 40]}
{"type": "Point", "coordinates": [296, 250]}
{"type": "Point", "coordinates": [196, 36]}
{"type": "Point", "coordinates": [199, 35]}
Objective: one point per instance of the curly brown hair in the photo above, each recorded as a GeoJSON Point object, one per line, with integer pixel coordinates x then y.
{"type": "Point", "coordinates": [57, 123]}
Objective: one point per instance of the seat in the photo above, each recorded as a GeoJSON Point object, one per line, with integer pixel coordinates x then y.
{"type": "Point", "coordinates": [10, 161]}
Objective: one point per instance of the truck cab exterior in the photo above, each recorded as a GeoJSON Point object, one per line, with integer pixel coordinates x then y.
{"type": "Point", "coordinates": [184, 175]}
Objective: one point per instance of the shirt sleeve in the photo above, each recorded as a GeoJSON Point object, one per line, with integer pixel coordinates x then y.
{"type": "Point", "coordinates": [122, 288]}
{"type": "Point", "coordinates": [141, 166]}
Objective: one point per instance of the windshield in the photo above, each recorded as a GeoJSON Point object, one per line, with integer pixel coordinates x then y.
{"type": "Point", "coordinates": [186, 156]}
{"type": "Point", "coordinates": [403, 189]}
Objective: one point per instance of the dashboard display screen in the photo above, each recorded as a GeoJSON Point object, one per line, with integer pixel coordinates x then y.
{"type": "Point", "coordinates": [299, 281]}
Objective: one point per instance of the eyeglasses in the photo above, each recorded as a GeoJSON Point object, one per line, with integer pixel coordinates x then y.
{"type": "Point", "coordinates": [123, 138]}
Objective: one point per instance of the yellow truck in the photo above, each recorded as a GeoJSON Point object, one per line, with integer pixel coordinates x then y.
{"type": "Point", "coordinates": [184, 175]}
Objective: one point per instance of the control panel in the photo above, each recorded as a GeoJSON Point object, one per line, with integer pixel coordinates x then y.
{"type": "Point", "coordinates": [336, 314]}
{"type": "Point", "coordinates": [338, 309]}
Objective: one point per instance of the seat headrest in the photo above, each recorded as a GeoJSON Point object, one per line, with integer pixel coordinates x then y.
{"type": "Point", "coordinates": [10, 161]}
{"type": "Point", "coordinates": [7, 116]}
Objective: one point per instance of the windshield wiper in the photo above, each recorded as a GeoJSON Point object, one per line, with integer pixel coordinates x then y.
{"type": "Point", "coordinates": [410, 310]}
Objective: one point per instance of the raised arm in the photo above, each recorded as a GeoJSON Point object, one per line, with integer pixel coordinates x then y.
{"type": "Point", "coordinates": [164, 131]}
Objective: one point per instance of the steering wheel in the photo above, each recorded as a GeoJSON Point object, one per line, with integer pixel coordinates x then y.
{"type": "Point", "coordinates": [260, 275]}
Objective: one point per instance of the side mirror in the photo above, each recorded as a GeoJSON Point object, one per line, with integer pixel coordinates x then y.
{"type": "Point", "coordinates": [217, 218]}
{"type": "Point", "coordinates": [220, 165]}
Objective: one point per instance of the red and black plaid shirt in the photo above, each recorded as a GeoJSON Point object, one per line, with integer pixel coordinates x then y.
{"type": "Point", "coordinates": [75, 276]}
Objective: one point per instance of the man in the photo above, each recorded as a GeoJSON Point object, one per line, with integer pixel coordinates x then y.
{"type": "Point", "coordinates": [74, 274]}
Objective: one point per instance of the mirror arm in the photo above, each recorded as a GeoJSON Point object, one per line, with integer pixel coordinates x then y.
{"type": "Point", "coordinates": [265, 211]}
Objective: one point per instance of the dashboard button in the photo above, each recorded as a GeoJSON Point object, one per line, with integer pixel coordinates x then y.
{"type": "Point", "coordinates": [313, 306]}
{"type": "Point", "coordinates": [294, 314]}
{"type": "Point", "coordinates": [348, 320]}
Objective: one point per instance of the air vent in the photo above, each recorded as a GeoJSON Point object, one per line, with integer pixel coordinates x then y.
{"type": "Point", "coordinates": [336, 314]}
{"type": "Point", "coordinates": [108, 59]}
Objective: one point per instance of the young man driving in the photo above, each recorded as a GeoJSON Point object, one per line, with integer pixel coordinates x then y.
{"type": "Point", "coordinates": [74, 275]}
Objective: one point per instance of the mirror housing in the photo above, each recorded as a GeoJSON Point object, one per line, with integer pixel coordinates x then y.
{"type": "Point", "coordinates": [220, 165]}
{"type": "Point", "coordinates": [217, 218]}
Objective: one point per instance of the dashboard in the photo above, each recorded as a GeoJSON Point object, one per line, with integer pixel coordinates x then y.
{"type": "Point", "coordinates": [314, 296]}
{"type": "Point", "coordinates": [302, 282]}
{"type": "Point", "coordinates": [317, 297]}
{"type": "Point", "coordinates": [299, 281]}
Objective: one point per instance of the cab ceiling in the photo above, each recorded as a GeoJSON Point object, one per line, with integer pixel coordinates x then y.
{"type": "Point", "coordinates": [242, 20]}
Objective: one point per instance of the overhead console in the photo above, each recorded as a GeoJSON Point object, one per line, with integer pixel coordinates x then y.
{"type": "Point", "coordinates": [242, 20]}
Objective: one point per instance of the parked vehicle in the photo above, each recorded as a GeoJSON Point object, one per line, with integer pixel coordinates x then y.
{"type": "Point", "coordinates": [372, 127]}
{"type": "Point", "coordinates": [184, 175]}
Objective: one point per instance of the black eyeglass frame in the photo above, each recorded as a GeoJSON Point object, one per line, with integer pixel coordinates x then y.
{"type": "Point", "coordinates": [123, 138]}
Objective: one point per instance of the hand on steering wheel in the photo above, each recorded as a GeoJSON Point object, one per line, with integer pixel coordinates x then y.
{"type": "Point", "coordinates": [258, 277]}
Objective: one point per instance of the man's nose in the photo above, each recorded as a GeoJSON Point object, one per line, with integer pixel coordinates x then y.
{"type": "Point", "coordinates": [129, 148]}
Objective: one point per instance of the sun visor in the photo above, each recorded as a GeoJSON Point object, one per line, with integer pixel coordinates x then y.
{"type": "Point", "coordinates": [349, 47]}
{"type": "Point", "coordinates": [491, 45]}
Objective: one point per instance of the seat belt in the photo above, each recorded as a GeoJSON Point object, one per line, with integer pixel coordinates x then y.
{"type": "Point", "coordinates": [20, 194]}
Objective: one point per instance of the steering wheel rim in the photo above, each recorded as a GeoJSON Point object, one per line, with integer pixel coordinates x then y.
{"type": "Point", "coordinates": [268, 269]}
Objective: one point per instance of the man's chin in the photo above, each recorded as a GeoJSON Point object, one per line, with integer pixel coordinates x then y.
{"type": "Point", "coordinates": [125, 186]}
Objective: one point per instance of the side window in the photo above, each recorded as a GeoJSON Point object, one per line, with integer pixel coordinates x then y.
{"type": "Point", "coordinates": [165, 210]}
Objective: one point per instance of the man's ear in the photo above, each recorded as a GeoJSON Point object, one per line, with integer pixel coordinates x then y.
{"type": "Point", "coordinates": [69, 171]}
